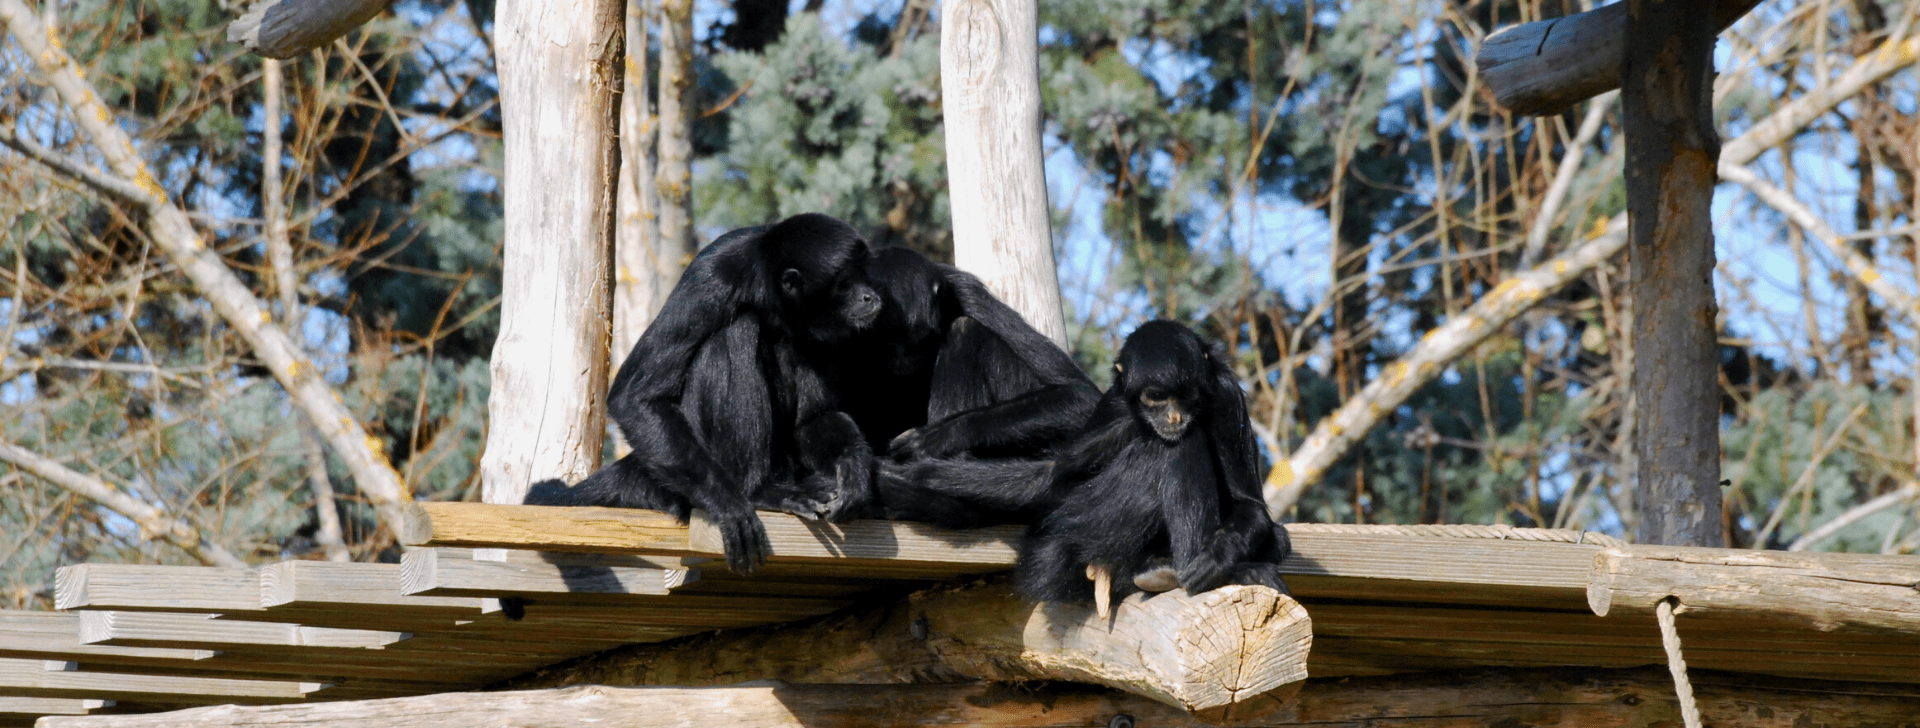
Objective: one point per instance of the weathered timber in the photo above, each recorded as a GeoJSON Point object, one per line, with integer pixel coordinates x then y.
{"type": "Point", "coordinates": [1828, 592]}
{"type": "Point", "coordinates": [40, 679]}
{"type": "Point", "coordinates": [287, 28]}
{"type": "Point", "coordinates": [350, 586]}
{"type": "Point", "coordinates": [1672, 150]}
{"type": "Point", "coordinates": [201, 631]}
{"type": "Point", "coordinates": [161, 588]}
{"type": "Point", "coordinates": [1564, 698]}
{"type": "Point", "coordinates": [56, 636]}
{"type": "Point", "coordinates": [1545, 66]}
{"type": "Point", "coordinates": [486, 525]}
{"type": "Point", "coordinates": [498, 572]}
{"type": "Point", "coordinates": [1223, 654]}
{"type": "Point", "coordinates": [1324, 564]}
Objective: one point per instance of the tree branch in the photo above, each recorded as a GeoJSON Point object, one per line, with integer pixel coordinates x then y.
{"type": "Point", "coordinates": [168, 226]}
{"type": "Point", "coordinates": [153, 522]}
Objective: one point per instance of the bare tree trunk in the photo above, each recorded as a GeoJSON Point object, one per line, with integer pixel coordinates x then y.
{"type": "Point", "coordinates": [997, 187]}
{"type": "Point", "coordinates": [675, 176]}
{"type": "Point", "coordinates": [1672, 151]}
{"type": "Point", "coordinates": [644, 275]}
{"type": "Point", "coordinates": [557, 67]}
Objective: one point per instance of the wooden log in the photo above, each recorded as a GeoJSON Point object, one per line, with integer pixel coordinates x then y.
{"type": "Point", "coordinates": [287, 28]}
{"type": "Point", "coordinates": [500, 572]}
{"type": "Point", "coordinates": [1564, 698]}
{"type": "Point", "coordinates": [1827, 592]}
{"type": "Point", "coordinates": [1224, 654]}
{"type": "Point", "coordinates": [35, 679]}
{"type": "Point", "coordinates": [1542, 67]}
{"type": "Point", "coordinates": [201, 631]}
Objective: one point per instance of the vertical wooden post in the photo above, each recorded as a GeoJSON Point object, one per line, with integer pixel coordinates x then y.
{"type": "Point", "coordinates": [559, 66]}
{"type": "Point", "coordinates": [642, 273]}
{"type": "Point", "coordinates": [997, 188]}
{"type": "Point", "coordinates": [1672, 151]}
{"type": "Point", "coordinates": [675, 179]}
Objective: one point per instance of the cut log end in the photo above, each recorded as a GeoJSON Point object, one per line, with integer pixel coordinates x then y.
{"type": "Point", "coordinates": [1243, 652]}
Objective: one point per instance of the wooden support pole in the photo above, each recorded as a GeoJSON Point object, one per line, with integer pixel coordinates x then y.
{"type": "Point", "coordinates": [997, 182]}
{"type": "Point", "coordinates": [1828, 592]}
{"type": "Point", "coordinates": [559, 69]}
{"type": "Point", "coordinates": [1226, 654]}
{"type": "Point", "coordinates": [1672, 150]}
{"type": "Point", "coordinates": [1543, 67]}
{"type": "Point", "coordinates": [1550, 698]}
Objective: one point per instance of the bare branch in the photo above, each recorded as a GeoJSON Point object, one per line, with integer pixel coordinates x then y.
{"type": "Point", "coordinates": [1904, 495]}
{"type": "Point", "coordinates": [153, 522]}
{"type": "Point", "coordinates": [170, 229]}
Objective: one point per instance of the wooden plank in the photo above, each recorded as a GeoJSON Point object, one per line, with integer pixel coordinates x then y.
{"type": "Point", "coordinates": [200, 631]}
{"type": "Point", "coordinates": [1824, 592]}
{"type": "Point", "coordinates": [32, 679]}
{"type": "Point", "coordinates": [366, 588]}
{"type": "Point", "coordinates": [162, 588]}
{"type": "Point", "coordinates": [50, 706]}
{"type": "Point", "coordinates": [56, 636]}
{"type": "Point", "coordinates": [545, 528]}
{"type": "Point", "coordinates": [497, 572]}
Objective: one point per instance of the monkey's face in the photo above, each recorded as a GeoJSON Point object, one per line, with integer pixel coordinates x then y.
{"type": "Point", "coordinates": [1166, 411]}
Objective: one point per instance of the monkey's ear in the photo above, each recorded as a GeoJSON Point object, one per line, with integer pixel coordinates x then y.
{"type": "Point", "coordinates": [791, 282]}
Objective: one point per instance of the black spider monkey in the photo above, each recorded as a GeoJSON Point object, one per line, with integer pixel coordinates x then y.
{"type": "Point", "coordinates": [1162, 486]}
{"type": "Point", "coordinates": [728, 400]}
{"type": "Point", "coordinates": [949, 374]}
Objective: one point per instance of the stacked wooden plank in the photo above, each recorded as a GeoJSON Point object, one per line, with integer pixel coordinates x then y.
{"type": "Point", "coordinates": [137, 638]}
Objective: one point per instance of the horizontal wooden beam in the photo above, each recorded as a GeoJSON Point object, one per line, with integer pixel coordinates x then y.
{"type": "Point", "coordinates": [1826, 592]}
{"type": "Point", "coordinates": [1545, 66]}
{"type": "Point", "coordinates": [33, 635]}
{"type": "Point", "coordinates": [874, 543]}
{"type": "Point", "coordinates": [287, 28]}
{"type": "Point", "coordinates": [1563, 698]}
{"type": "Point", "coordinates": [351, 586]}
{"type": "Point", "coordinates": [161, 588]}
{"type": "Point", "coordinates": [544, 528]}
{"type": "Point", "coordinates": [36, 679]}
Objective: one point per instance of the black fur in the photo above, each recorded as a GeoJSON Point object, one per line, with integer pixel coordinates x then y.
{"type": "Point", "coordinates": [1167, 468]}
{"type": "Point", "coordinates": [950, 374]}
{"type": "Point", "coordinates": [728, 400]}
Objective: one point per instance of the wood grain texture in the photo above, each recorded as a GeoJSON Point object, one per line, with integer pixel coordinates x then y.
{"type": "Point", "coordinates": [356, 587]}
{"type": "Point", "coordinates": [56, 636]}
{"type": "Point", "coordinates": [163, 588]}
{"type": "Point", "coordinates": [1564, 698]}
{"type": "Point", "coordinates": [902, 544]}
{"type": "Point", "coordinates": [544, 528]}
{"type": "Point", "coordinates": [1825, 592]}
{"type": "Point", "coordinates": [559, 71]}
{"type": "Point", "coordinates": [996, 182]}
{"type": "Point", "coordinates": [1545, 66]}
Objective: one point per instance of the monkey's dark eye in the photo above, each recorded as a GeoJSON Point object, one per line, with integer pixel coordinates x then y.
{"type": "Point", "coordinates": [1153, 396]}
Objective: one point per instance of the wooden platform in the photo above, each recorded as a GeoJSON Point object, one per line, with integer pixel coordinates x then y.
{"type": "Point", "coordinates": [137, 638]}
